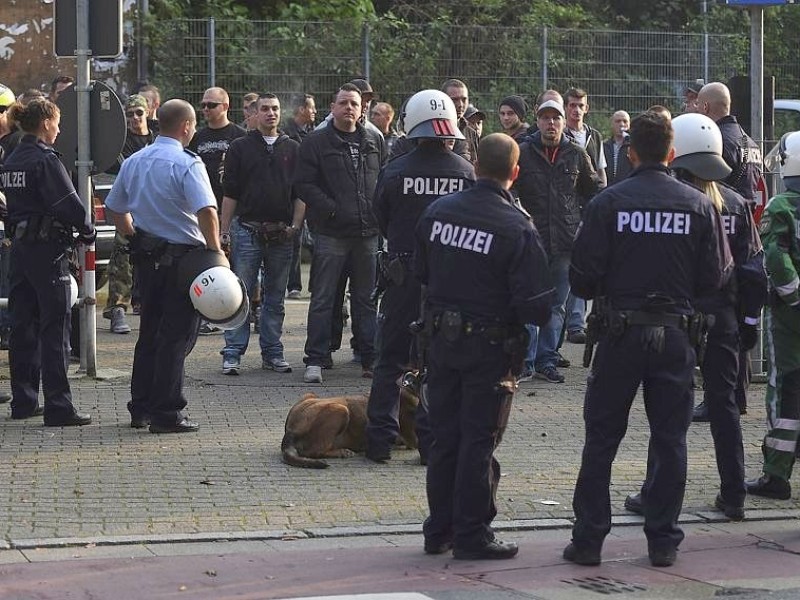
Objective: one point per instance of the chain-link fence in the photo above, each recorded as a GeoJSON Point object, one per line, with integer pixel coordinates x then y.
{"type": "Point", "coordinates": [628, 70]}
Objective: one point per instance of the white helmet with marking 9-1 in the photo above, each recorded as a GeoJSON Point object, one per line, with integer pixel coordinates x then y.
{"type": "Point", "coordinates": [431, 114]}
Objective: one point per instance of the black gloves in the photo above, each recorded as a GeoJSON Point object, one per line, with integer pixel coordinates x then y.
{"type": "Point", "coordinates": [87, 238]}
{"type": "Point", "coordinates": [748, 336]}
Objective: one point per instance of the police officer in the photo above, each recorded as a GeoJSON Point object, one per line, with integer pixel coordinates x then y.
{"type": "Point", "coordinates": [165, 189]}
{"type": "Point", "coordinates": [486, 276]}
{"type": "Point", "coordinates": [43, 212]}
{"type": "Point", "coordinates": [780, 225]}
{"type": "Point", "coordinates": [648, 247]}
{"type": "Point", "coordinates": [736, 307]}
{"type": "Point", "coordinates": [406, 187]}
{"type": "Point", "coordinates": [743, 156]}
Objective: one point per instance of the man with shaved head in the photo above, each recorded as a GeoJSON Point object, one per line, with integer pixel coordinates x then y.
{"type": "Point", "coordinates": [165, 191]}
{"type": "Point", "coordinates": [738, 149]}
{"type": "Point", "coordinates": [486, 276]}
{"type": "Point", "coordinates": [212, 142]}
{"type": "Point", "coordinates": [743, 156]}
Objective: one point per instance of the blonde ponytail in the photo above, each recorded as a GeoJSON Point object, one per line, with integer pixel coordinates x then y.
{"type": "Point", "coordinates": [711, 189]}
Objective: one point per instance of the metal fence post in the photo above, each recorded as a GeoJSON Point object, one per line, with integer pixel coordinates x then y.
{"type": "Point", "coordinates": [212, 52]}
{"type": "Point", "coordinates": [544, 58]}
{"type": "Point", "coordinates": [365, 55]}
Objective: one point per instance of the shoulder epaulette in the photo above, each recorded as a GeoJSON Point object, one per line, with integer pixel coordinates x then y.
{"type": "Point", "coordinates": [190, 153]}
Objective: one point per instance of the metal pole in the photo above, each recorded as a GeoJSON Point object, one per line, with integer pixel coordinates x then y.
{"type": "Point", "coordinates": [143, 49]}
{"type": "Point", "coordinates": [706, 77]}
{"type": "Point", "coordinates": [757, 124]}
{"type": "Point", "coordinates": [544, 58]}
{"type": "Point", "coordinates": [84, 167]}
{"type": "Point", "coordinates": [212, 52]}
{"type": "Point", "coordinates": [757, 74]}
{"type": "Point", "coordinates": [365, 50]}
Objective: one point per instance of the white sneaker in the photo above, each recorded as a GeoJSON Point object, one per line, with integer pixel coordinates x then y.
{"type": "Point", "coordinates": [313, 374]}
{"type": "Point", "coordinates": [294, 295]}
{"type": "Point", "coordinates": [230, 365]}
{"type": "Point", "coordinates": [118, 324]}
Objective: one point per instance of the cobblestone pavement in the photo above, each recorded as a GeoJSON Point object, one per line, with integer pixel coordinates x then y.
{"type": "Point", "coordinates": [110, 480]}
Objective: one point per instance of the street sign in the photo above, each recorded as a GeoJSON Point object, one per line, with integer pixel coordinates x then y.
{"type": "Point", "coordinates": [105, 28]}
{"type": "Point", "coordinates": [108, 127]}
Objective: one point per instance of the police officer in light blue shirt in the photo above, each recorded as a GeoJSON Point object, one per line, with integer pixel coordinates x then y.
{"type": "Point", "coordinates": [163, 199]}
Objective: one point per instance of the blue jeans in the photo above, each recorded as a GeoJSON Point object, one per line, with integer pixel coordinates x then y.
{"type": "Point", "coordinates": [549, 335]}
{"type": "Point", "coordinates": [331, 255]}
{"type": "Point", "coordinates": [576, 313]}
{"type": "Point", "coordinates": [247, 254]}
{"type": "Point", "coordinates": [533, 341]}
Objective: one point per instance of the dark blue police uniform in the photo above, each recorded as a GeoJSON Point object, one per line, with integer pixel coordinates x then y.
{"type": "Point", "coordinates": [405, 189]}
{"type": "Point", "coordinates": [650, 245]}
{"type": "Point", "coordinates": [743, 156]}
{"type": "Point", "coordinates": [741, 298]}
{"type": "Point", "coordinates": [486, 276]}
{"type": "Point", "coordinates": [43, 211]}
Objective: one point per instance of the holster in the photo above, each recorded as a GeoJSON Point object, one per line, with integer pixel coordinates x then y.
{"type": "Point", "coordinates": [596, 326]}
{"type": "Point", "coordinates": [396, 269]}
{"type": "Point", "coordinates": [450, 325]}
{"type": "Point", "coordinates": [516, 346]}
{"type": "Point", "coordinates": [161, 251]}
{"type": "Point", "coordinates": [380, 276]}
{"type": "Point", "coordinates": [506, 399]}
{"type": "Point", "coordinates": [41, 228]}
{"type": "Point", "coordinates": [698, 328]}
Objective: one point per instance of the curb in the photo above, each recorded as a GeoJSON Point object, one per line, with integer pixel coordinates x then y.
{"type": "Point", "coordinates": [711, 516]}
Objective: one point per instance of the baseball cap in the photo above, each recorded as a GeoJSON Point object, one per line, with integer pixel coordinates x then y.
{"type": "Point", "coordinates": [364, 86]}
{"type": "Point", "coordinates": [551, 104]}
{"type": "Point", "coordinates": [136, 101]}
{"type": "Point", "coordinates": [471, 112]}
{"type": "Point", "coordinates": [695, 86]}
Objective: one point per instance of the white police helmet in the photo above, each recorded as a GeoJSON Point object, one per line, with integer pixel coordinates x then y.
{"type": "Point", "coordinates": [6, 96]}
{"type": "Point", "coordinates": [431, 114]}
{"type": "Point", "coordinates": [698, 147]}
{"type": "Point", "coordinates": [790, 154]}
{"type": "Point", "coordinates": [215, 291]}
{"type": "Point", "coordinates": [73, 291]}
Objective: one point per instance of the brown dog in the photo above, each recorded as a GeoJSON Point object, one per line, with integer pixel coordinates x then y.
{"type": "Point", "coordinates": [336, 428]}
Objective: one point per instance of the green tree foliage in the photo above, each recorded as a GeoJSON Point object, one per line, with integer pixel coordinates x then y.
{"type": "Point", "coordinates": [329, 10]}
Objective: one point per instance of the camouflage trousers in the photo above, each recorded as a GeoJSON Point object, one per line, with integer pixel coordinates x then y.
{"type": "Point", "coordinates": [120, 277]}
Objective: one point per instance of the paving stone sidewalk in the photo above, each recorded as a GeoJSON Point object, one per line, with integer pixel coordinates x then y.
{"type": "Point", "coordinates": [108, 480]}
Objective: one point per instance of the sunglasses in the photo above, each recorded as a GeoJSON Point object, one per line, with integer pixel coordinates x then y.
{"type": "Point", "coordinates": [135, 113]}
{"type": "Point", "coordinates": [3, 109]}
{"type": "Point", "coordinates": [210, 104]}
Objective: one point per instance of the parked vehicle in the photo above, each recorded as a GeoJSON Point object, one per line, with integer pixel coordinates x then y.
{"type": "Point", "coordinates": [105, 231]}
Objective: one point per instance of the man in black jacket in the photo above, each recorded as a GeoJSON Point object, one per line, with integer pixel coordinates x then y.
{"type": "Point", "coordinates": [336, 177]}
{"type": "Point", "coordinates": [556, 180]}
{"type": "Point", "coordinates": [743, 156]}
{"type": "Point", "coordinates": [261, 215]}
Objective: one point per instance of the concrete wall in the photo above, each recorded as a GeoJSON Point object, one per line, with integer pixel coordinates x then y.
{"type": "Point", "coordinates": [26, 48]}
